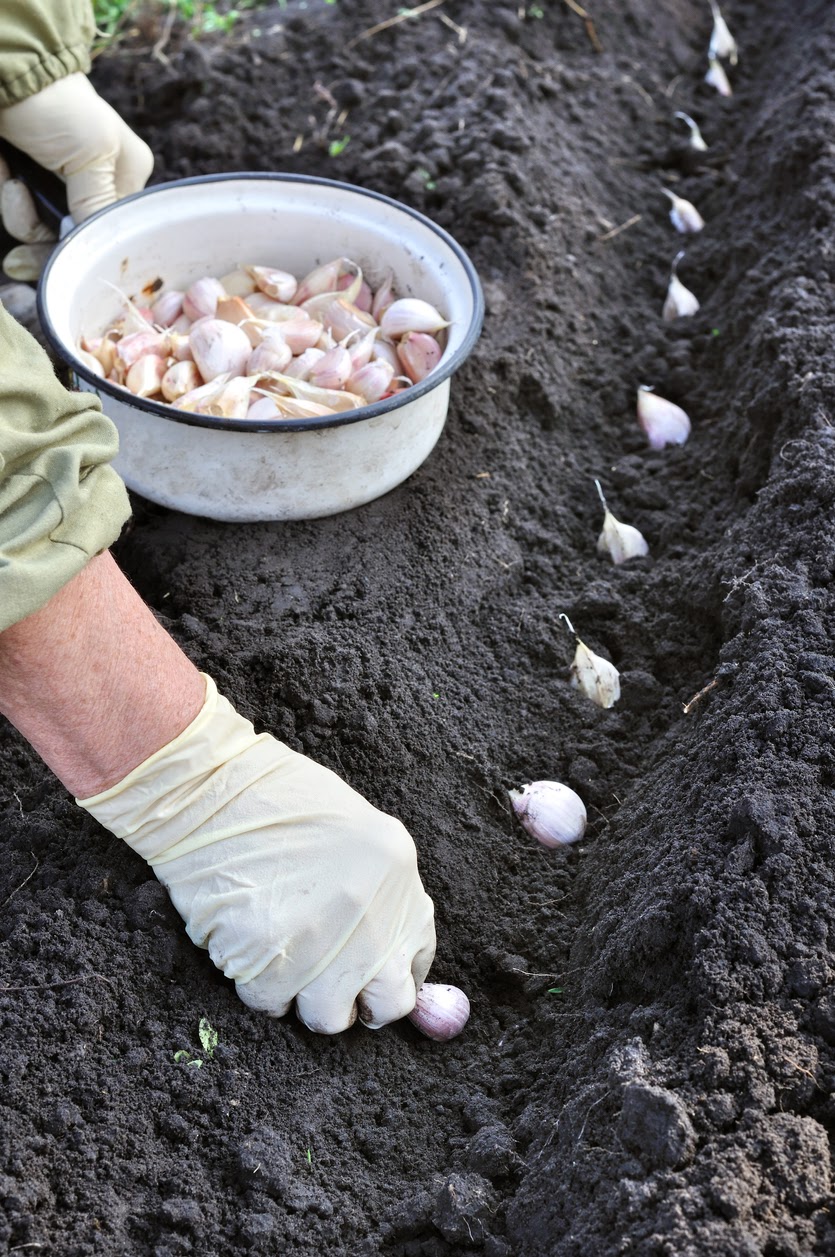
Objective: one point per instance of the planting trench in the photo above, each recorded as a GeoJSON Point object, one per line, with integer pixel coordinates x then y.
{"type": "Point", "coordinates": [650, 1060]}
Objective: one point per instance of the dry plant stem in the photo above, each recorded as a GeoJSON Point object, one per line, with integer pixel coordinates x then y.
{"type": "Point", "coordinates": [711, 685]}
{"type": "Point", "coordinates": [394, 21]}
{"type": "Point", "coordinates": [94, 683]}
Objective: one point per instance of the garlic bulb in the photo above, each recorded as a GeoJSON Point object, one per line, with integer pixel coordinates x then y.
{"type": "Point", "coordinates": [595, 676]}
{"type": "Point", "coordinates": [680, 302]}
{"type": "Point", "coordinates": [683, 214]}
{"type": "Point", "coordinates": [550, 812]}
{"type": "Point", "coordinates": [619, 541]}
{"type": "Point", "coordinates": [716, 77]}
{"type": "Point", "coordinates": [696, 139]}
{"type": "Point", "coordinates": [663, 422]}
{"type": "Point", "coordinates": [722, 42]}
{"type": "Point", "coordinates": [441, 1012]}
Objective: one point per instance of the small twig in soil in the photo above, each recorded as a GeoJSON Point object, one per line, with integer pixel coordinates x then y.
{"type": "Point", "coordinates": [394, 21]}
{"type": "Point", "coordinates": [461, 31]}
{"type": "Point", "coordinates": [588, 22]}
{"type": "Point", "coordinates": [25, 880]}
{"type": "Point", "coordinates": [157, 52]}
{"type": "Point", "coordinates": [630, 222]}
{"type": "Point", "coordinates": [53, 986]}
{"type": "Point", "coordinates": [711, 685]}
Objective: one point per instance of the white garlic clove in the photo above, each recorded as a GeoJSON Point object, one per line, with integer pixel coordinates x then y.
{"type": "Point", "coordinates": [301, 332]}
{"type": "Point", "coordinates": [419, 353]}
{"type": "Point", "coordinates": [280, 285]}
{"type": "Point", "coordinates": [238, 284]}
{"type": "Point", "coordinates": [231, 401]}
{"type": "Point", "coordinates": [722, 43]}
{"type": "Point", "coordinates": [91, 362]}
{"type": "Point", "coordinates": [341, 317]}
{"type": "Point", "coordinates": [167, 308]}
{"type": "Point", "coordinates": [372, 381]}
{"type": "Point", "coordinates": [619, 541]}
{"type": "Point", "coordinates": [332, 398]}
{"type": "Point", "coordinates": [263, 408]}
{"type": "Point", "coordinates": [144, 377]}
{"type": "Point", "coordinates": [179, 379]}
{"type": "Point", "coordinates": [716, 77]}
{"type": "Point", "coordinates": [680, 302]}
{"type": "Point", "coordinates": [325, 278]}
{"type": "Point", "coordinates": [137, 344]}
{"type": "Point", "coordinates": [362, 348]}
{"type": "Point", "coordinates": [333, 369]}
{"type": "Point", "coordinates": [273, 354]}
{"type": "Point", "coordinates": [196, 396]}
{"type": "Point", "coordinates": [200, 300]}
{"type": "Point", "coordinates": [411, 314]}
{"type": "Point", "coordinates": [299, 366]}
{"type": "Point", "coordinates": [551, 812]}
{"type": "Point", "coordinates": [385, 351]}
{"type": "Point", "coordinates": [663, 422]}
{"type": "Point", "coordinates": [440, 1012]}
{"type": "Point", "coordinates": [102, 348]}
{"type": "Point", "coordinates": [683, 214]}
{"type": "Point", "coordinates": [595, 676]}
{"type": "Point", "coordinates": [219, 348]}
{"type": "Point", "coordinates": [696, 139]}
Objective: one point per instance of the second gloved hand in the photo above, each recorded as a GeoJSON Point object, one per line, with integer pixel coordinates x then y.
{"type": "Point", "coordinates": [298, 887]}
{"type": "Point", "coordinates": [70, 130]}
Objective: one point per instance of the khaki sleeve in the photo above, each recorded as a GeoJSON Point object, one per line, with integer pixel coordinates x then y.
{"type": "Point", "coordinates": [60, 502]}
{"type": "Point", "coordinates": [41, 41]}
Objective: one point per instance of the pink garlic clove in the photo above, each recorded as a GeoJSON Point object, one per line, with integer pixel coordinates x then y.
{"type": "Point", "coordinates": [137, 344]}
{"type": "Point", "coordinates": [264, 408]}
{"type": "Point", "coordinates": [144, 377]}
{"type": "Point", "coordinates": [200, 300]}
{"type": "Point", "coordinates": [280, 285]}
{"type": "Point", "coordinates": [440, 1012]}
{"type": "Point", "coordinates": [333, 369]}
{"type": "Point", "coordinates": [273, 354]}
{"type": "Point", "coordinates": [299, 367]}
{"type": "Point", "coordinates": [410, 314]}
{"type": "Point", "coordinates": [167, 308]}
{"type": "Point", "coordinates": [383, 297]}
{"type": "Point", "coordinates": [219, 348]}
{"type": "Point", "coordinates": [362, 348]}
{"type": "Point", "coordinates": [372, 381]}
{"type": "Point", "coordinates": [419, 353]}
{"type": "Point", "coordinates": [363, 298]}
{"type": "Point", "coordinates": [325, 278]}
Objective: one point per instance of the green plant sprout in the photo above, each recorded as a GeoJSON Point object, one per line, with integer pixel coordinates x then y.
{"type": "Point", "coordinates": [208, 1037]}
{"type": "Point", "coordinates": [338, 146]}
{"type": "Point", "coordinates": [188, 1059]}
{"type": "Point", "coordinates": [428, 182]}
{"type": "Point", "coordinates": [309, 1156]}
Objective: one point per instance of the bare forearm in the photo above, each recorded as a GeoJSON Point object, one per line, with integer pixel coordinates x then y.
{"type": "Point", "coordinates": [93, 682]}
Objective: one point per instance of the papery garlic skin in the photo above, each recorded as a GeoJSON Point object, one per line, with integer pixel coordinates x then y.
{"type": "Point", "coordinates": [663, 421]}
{"type": "Point", "coordinates": [441, 1012]}
{"type": "Point", "coordinates": [722, 43]}
{"type": "Point", "coordinates": [683, 214]}
{"type": "Point", "coordinates": [595, 676]}
{"type": "Point", "coordinates": [552, 813]}
{"type": "Point", "coordinates": [716, 77]}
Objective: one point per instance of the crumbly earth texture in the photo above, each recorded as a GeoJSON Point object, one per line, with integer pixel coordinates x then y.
{"type": "Point", "coordinates": [650, 1060]}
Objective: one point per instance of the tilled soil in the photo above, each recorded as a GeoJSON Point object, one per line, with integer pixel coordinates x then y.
{"type": "Point", "coordinates": [649, 1064]}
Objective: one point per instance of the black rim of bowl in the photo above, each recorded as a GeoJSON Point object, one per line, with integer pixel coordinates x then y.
{"type": "Point", "coordinates": [445, 369]}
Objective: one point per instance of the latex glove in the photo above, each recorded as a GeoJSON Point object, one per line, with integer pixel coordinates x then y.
{"type": "Point", "coordinates": [67, 128]}
{"type": "Point", "coordinates": [298, 887]}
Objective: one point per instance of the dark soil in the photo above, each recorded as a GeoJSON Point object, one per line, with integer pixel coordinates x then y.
{"type": "Point", "coordinates": [650, 1060]}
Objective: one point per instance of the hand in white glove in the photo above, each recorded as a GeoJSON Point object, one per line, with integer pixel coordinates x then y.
{"type": "Point", "coordinates": [298, 887]}
{"type": "Point", "coordinates": [67, 128]}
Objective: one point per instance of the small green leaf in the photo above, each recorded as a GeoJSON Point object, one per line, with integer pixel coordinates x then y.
{"type": "Point", "coordinates": [182, 1055]}
{"type": "Point", "coordinates": [197, 1063]}
{"type": "Point", "coordinates": [435, 694]}
{"type": "Point", "coordinates": [338, 146]}
{"type": "Point", "coordinates": [208, 1036]}
{"type": "Point", "coordinates": [535, 10]}
{"type": "Point", "coordinates": [555, 990]}
{"type": "Point", "coordinates": [309, 1157]}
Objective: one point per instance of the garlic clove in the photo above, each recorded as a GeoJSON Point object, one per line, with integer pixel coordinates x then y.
{"type": "Point", "coordinates": [383, 297]}
{"type": "Point", "coordinates": [332, 398]}
{"type": "Point", "coordinates": [200, 300]}
{"type": "Point", "coordinates": [234, 310]}
{"type": "Point", "coordinates": [385, 351]}
{"type": "Point", "coordinates": [196, 396]}
{"type": "Point", "coordinates": [238, 284]}
{"type": "Point", "coordinates": [264, 408]}
{"type": "Point", "coordinates": [91, 362]}
{"type": "Point", "coordinates": [325, 278]}
{"type": "Point", "coordinates": [280, 285]}
{"type": "Point", "coordinates": [362, 348]}
{"type": "Point", "coordinates": [696, 139]}
{"type": "Point", "coordinates": [683, 214]}
{"type": "Point", "coordinates": [597, 677]}
{"type": "Point", "coordinates": [663, 422]}
{"type": "Point", "coordinates": [332, 370]}
{"type": "Point", "coordinates": [440, 1012]}
{"type": "Point", "coordinates": [372, 381]}
{"type": "Point", "coordinates": [144, 377]}
{"type": "Point", "coordinates": [299, 366]}
{"type": "Point", "coordinates": [102, 348]}
{"type": "Point", "coordinates": [179, 379]}
{"type": "Point", "coordinates": [716, 77]}
{"type": "Point", "coordinates": [619, 541]}
{"type": "Point", "coordinates": [231, 401]}
{"type": "Point", "coordinates": [219, 348]}
{"type": "Point", "coordinates": [137, 344]}
{"type": "Point", "coordinates": [680, 302]}
{"type": "Point", "coordinates": [419, 353]}
{"type": "Point", "coordinates": [273, 354]}
{"type": "Point", "coordinates": [362, 297]}
{"type": "Point", "coordinates": [341, 317]}
{"type": "Point", "coordinates": [167, 308]}
{"type": "Point", "coordinates": [411, 314]}
{"type": "Point", "coordinates": [722, 43]}
{"type": "Point", "coordinates": [551, 812]}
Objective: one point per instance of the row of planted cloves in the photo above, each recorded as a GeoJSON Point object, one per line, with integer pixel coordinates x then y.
{"type": "Point", "coordinates": [552, 812]}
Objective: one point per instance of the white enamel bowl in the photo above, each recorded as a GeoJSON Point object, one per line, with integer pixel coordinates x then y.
{"type": "Point", "coordinates": [242, 470]}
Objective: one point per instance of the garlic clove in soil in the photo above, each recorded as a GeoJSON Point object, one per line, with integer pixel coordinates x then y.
{"type": "Point", "coordinates": [551, 812]}
{"type": "Point", "coordinates": [597, 677]}
{"type": "Point", "coordinates": [680, 302]}
{"type": "Point", "coordinates": [722, 43]}
{"type": "Point", "coordinates": [696, 138]}
{"type": "Point", "coordinates": [716, 77]}
{"type": "Point", "coordinates": [440, 1012]}
{"type": "Point", "coordinates": [683, 214]}
{"type": "Point", "coordinates": [619, 541]}
{"type": "Point", "coordinates": [663, 422]}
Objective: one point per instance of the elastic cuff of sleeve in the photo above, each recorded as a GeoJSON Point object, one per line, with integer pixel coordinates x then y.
{"type": "Point", "coordinates": [44, 543]}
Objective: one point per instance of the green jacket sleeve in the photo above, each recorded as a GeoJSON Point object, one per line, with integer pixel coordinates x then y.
{"type": "Point", "coordinates": [41, 41]}
{"type": "Point", "coordinates": [60, 501]}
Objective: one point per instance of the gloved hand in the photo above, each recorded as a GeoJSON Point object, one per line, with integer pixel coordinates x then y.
{"type": "Point", "coordinates": [298, 887]}
{"type": "Point", "coordinates": [67, 128]}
